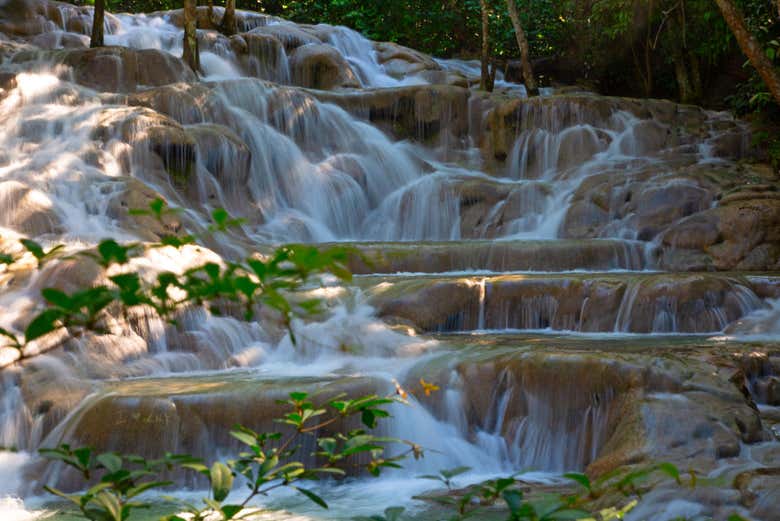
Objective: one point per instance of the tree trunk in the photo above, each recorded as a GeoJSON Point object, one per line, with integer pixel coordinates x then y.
{"type": "Point", "coordinates": [750, 46]}
{"type": "Point", "coordinates": [649, 51]}
{"type": "Point", "coordinates": [229, 24]}
{"type": "Point", "coordinates": [211, 24]}
{"type": "Point", "coordinates": [522, 43]}
{"type": "Point", "coordinates": [97, 24]}
{"type": "Point", "coordinates": [684, 86]}
{"type": "Point", "coordinates": [485, 78]}
{"type": "Point", "coordinates": [492, 75]}
{"type": "Point", "coordinates": [191, 54]}
{"type": "Point", "coordinates": [696, 83]}
{"type": "Point", "coordinates": [681, 57]}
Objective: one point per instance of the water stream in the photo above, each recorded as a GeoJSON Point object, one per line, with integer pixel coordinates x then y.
{"type": "Point", "coordinates": [488, 250]}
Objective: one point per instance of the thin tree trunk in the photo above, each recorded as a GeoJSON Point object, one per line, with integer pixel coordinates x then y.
{"type": "Point", "coordinates": [97, 24]}
{"type": "Point", "coordinates": [485, 78]}
{"type": "Point", "coordinates": [229, 24]}
{"type": "Point", "coordinates": [522, 43]}
{"type": "Point", "coordinates": [210, 15]}
{"type": "Point", "coordinates": [191, 54]}
{"type": "Point", "coordinates": [683, 79]}
{"type": "Point", "coordinates": [696, 84]}
{"type": "Point", "coordinates": [492, 75]}
{"type": "Point", "coordinates": [680, 56]}
{"type": "Point", "coordinates": [750, 46]}
{"type": "Point", "coordinates": [649, 51]}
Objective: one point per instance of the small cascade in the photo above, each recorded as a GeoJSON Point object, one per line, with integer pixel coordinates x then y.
{"type": "Point", "coordinates": [761, 323]}
{"type": "Point", "coordinates": [585, 303]}
{"type": "Point", "coordinates": [623, 320]}
{"type": "Point", "coordinates": [527, 416]}
{"type": "Point", "coordinates": [15, 421]}
{"type": "Point", "coordinates": [539, 153]}
{"type": "Point", "coordinates": [361, 55]}
{"type": "Point", "coordinates": [482, 294]}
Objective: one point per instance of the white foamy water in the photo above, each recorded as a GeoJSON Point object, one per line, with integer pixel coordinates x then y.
{"type": "Point", "coordinates": [12, 508]}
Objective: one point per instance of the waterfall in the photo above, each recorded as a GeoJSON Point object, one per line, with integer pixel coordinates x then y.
{"type": "Point", "coordinates": [512, 250]}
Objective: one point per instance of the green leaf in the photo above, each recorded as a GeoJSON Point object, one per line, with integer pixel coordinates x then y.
{"type": "Point", "coordinates": [328, 444]}
{"type": "Point", "coordinates": [177, 242]}
{"type": "Point", "coordinates": [245, 438]}
{"type": "Point", "coordinates": [110, 461]}
{"type": "Point", "coordinates": [268, 465]}
{"type": "Point", "coordinates": [129, 285]}
{"type": "Point", "coordinates": [514, 500]}
{"type": "Point", "coordinates": [196, 466]}
{"type": "Point", "coordinates": [112, 505]}
{"type": "Point", "coordinates": [112, 252]}
{"type": "Point", "coordinates": [157, 206]}
{"type": "Point", "coordinates": [230, 511]}
{"type": "Point", "coordinates": [457, 471]}
{"type": "Point", "coordinates": [15, 343]}
{"type": "Point", "coordinates": [33, 247]}
{"type": "Point", "coordinates": [368, 418]}
{"type": "Point", "coordinates": [546, 506]}
{"type": "Point", "coordinates": [298, 396]}
{"type": "Point", "coordinates": [568, 515]}
{"type": "Point", "coordinates": [84, 456]}
{"type": "Point", "coordinates": [93, 491]}
{"type": "Point", "coordinates": [46, 322]}
{"type": "Point", "coordinates": [394, 513]}
{"type": "Point", "coordinates": [57, 298]}
{"type": "Point", "coordinates": [37, 251]}
{"type": "Point", "coordinates": [143, 487]}
{"type": "Point", "coordinates": [75, 498]}
{"type": "Point", "coordinates": [220, 216]}
{"type": "Point", "coordinates": [670, 470]}
{"type": "Point", "coordinates": [312, 496]}
{"type": "Point", "coordinates": [582, 479]}
{"type": "Point", "coordinates": [221, 481]}
{"type": "Point", "coordinates": [327, 470]}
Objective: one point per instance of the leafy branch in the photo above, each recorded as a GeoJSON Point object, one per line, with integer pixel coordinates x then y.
{"type": "Point", "coordinates": [266, 462]}
{"type": "Point", "coordinates": [251, 284]}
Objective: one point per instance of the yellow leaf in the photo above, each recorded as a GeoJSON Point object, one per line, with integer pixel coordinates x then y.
{"type": "Point", "coordinates": [428, 387]}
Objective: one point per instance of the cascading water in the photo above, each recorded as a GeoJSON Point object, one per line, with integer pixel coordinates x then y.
{"type": "Point", "coordinates": [501, 217]}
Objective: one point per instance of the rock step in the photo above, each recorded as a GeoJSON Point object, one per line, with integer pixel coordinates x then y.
{"type": "Point", "coordinates": [565, 402]}
{"type": "Point", "coordinates": [498, 256]}
{"type": "Point", "coordinates": [560, 402]}
{"type": "Point", "coordinates": [585, 302]}
{"type": "Point", "coordinates": [187, 414]}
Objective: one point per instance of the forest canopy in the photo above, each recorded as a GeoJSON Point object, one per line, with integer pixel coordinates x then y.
{"type": "Point", "coordinates": [679, 49]}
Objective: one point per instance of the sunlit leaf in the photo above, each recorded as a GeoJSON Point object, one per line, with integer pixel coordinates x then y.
{"type": "Point", "coordinates": [312, 496]}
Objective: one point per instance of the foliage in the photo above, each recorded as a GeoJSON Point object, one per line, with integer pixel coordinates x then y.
{"type": "Point", "coordinates": [680, 49]}
{"type": "Point", "coordinates": [268, 461]}
{"type": "Point", "coordinates": [273, 460]}
{"type": "Point", "coordinates": [441, 27]}
{"type": "Point", "coordinates": [472, 502]}
{"type": "Point", "coordinates": [123, 479]}
{"type": "Point", "coordinates": [249, 284]}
